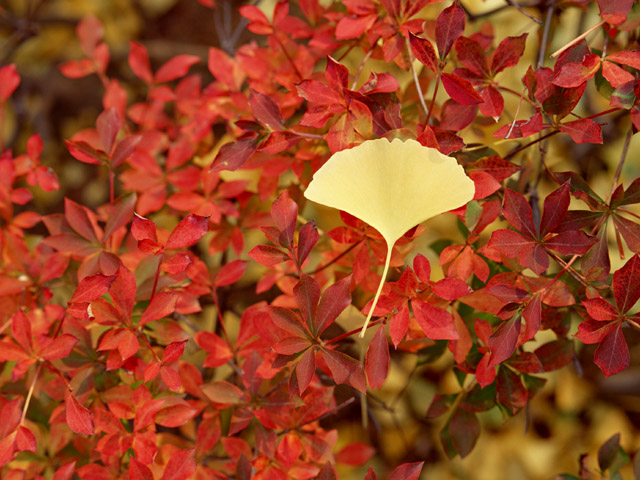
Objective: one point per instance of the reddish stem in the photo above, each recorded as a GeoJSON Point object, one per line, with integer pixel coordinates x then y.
{"type": "Point", "coordinates": [155, 280]}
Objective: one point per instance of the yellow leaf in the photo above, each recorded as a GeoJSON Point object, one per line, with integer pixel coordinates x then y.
{"type": "Point", "coordinates": [392, 186]}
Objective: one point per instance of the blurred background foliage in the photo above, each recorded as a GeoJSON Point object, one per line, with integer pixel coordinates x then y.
{"type": "Point", "coordinates": [577, 411]}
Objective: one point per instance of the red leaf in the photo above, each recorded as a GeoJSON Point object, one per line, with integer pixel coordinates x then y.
{"type": "Point", "coordinates": [583, 130]}
{"type": "Point", "coordinates": [336, 74]}
{"type": "Point", "coordinates": [181, 465]}
{"type": "Point", "coordinates": [258, 21]}
{"type": "Point", "coordinates": [25, 440]}
{"type": "Point", "coordinates": [629, 230]}
{"type": "Point", "coordinates": [266, 110]}
{"type": "Point", "coordinates": [521, 128]}
{"type": "Point", "coordinates": [77, 68]}
{"type": "Point", "coordinates": [143, 229]}
{"type": "Point", "coordinates": [139, 62]}
{"type": "Point", "coordinates": [287, 320]}
{"type": "Point", "coordinates": [138, 470]}
{"type": "Point", "coordinates": [268, 255]}
{"type": "Point", "coordinates": [517, 211]}
{"type": "Point", "coordinates": [616, 10]}
{"type": "Point", "coordinates": [175, 68]}
{"type": "Point", "coordinates": [162, 305]}
{"type": "Point", "coordinates": [471, 55]}
{"type": "Point", "coordinates": [461, 433]}
{"type": "Point", "coordinates": [612, 355]}
{"type": "Point", "coordinates": [600, 310]}
{"type": "Point", "coordinates": [307, 238]}
{"type": "Point", "coordinates": [424, 52]}
{"type": "Point", "coordinates": [176, 413]}
{"type": "Point", "coordinates": [305, 369]}
{"type": "Point", "coordinates": [218, 350]}
{"type": "Point", "coordinates": [65, 472]}
{"type": "Point", "coordinates": [615, 75]}
{"type": "Point", "coordinates": [455, 116]}
{"type": "Point", "coordinates": [436, 323]}
{"type": "Point", "coordinates": [555, 208]}
{"type": "Point", "coordinates": [124, 149]}
{"type": "Point", "coordinates": [451, 288]}
{"type": "Point", "coordinates": [307, 294]}
{"type": "Point", "coordinates": [449, 26]}
{"type": "Point", "coordinates": [223, 392]}
{"type": "Point", "coordinates": [493, 102]}
{"type": "Point", "coordinates": [284, 212]}
{"type": "Point", "coordinates": [508, 53]}
{"type": "Point", "coordinates": [626, 284]}
{"type": "Point", "coordinates": [593, 331]}
{"type": "Point", "coordinates": [626, 57]}
{"type": "Point", "coordinates": [334, 301]}
{"type": "Point", "coordinates": [173, 351]}
{"type": "Point", "coordinates": [230, 273]}
{"type": "Point", "coordinates": [353, 26]}
{"type": "Point", "coordinates": [460, 89]}
{"type": "Point", "coordinates": [377, 359]}
{"type": "Point", "coordinates": [92, 287]}
{"type": "Point", "coordinates": [504, 340]}
{"type": "Point", "coordinates": [318, 93]}
{"type": "Point", "coordinates": [79, 418]}
{"type": "Point", "coordinates": [484, 184]}
{"type": "Point", "coordinates": [574, 74]}
{"type": "Point", "coordinates": [399, 325]}
{"type": "Point", "coordinates": [291, 345]}
{"type": "Point", "coordinates": [233, 155]}
{"type": "Point", "coordinates": [355, 454]}
{"type": "Point", "coordinates": [9, 81]}
{"type": "Point", "coordinates": [61, 347]}
{"type": "Point", "coordinates": [499, 168]}
{"type": "Point", "coordinates": [571, 243]}
{"type": "Point", "coordinates": [407, 471]}
{"type": "Point", "coordinates": [81, 219]}
{"type": "Point", "coordinates": [225, 69]}
{"type": "Point", "coordinates": [188, 231]}
{"type": "Point", "coordinates": [345, 369]}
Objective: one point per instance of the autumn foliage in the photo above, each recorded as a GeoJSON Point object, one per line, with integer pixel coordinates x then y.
{"type": "Point", "coordinates": [110, 368]}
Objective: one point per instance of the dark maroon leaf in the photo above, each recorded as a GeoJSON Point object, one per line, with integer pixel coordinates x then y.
{"type": "Point", "coordinates": [626, 284]}
{"type": "Point", "coordinates": [266, 110]}
{"type": "Point", "coordinates": [377, 359]}
{"type": "Point", "coordinates": [233, 155]}
{"type": "Point", "coordinates": [424, 52]}
{"type": "Point", "coordinates": [612, 355]}
{"type": "Point", "coordinates": [504, 340]}
{"type": "Point", "coordinates": [508, 53]}
{"type": "Point", "coordinates": [449, 27]}
{"type": "Point", "coordinates": [460, 89]}
{"type": "Point", "coordinates": [333, 302]}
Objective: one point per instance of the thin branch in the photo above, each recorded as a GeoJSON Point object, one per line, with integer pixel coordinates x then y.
{"type": "Point", "coordinates": [545, 35]}
{"type": "Point", "coordinates": [336, 258]}
{"type": "Point", "coordinates": [360, 67]}
{"type": "Point", "coordinates": [623, 157]}
{"type": "Point", "coordinates": [580, 37]}
{"type": "Point", "coordinates": [415, 78]}
{"type": "Point", "coordinates": [524, 12]}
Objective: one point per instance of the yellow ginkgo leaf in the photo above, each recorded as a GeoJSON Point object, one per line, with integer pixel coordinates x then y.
{"type": "Point", "coordinates": [392, 186]}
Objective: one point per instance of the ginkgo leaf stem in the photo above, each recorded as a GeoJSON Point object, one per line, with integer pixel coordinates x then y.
{"type": "Point", "coordinates": [375, 299]}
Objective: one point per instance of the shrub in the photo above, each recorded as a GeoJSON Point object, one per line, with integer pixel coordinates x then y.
{"type": "Point", "coordinates": [203, 322]}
